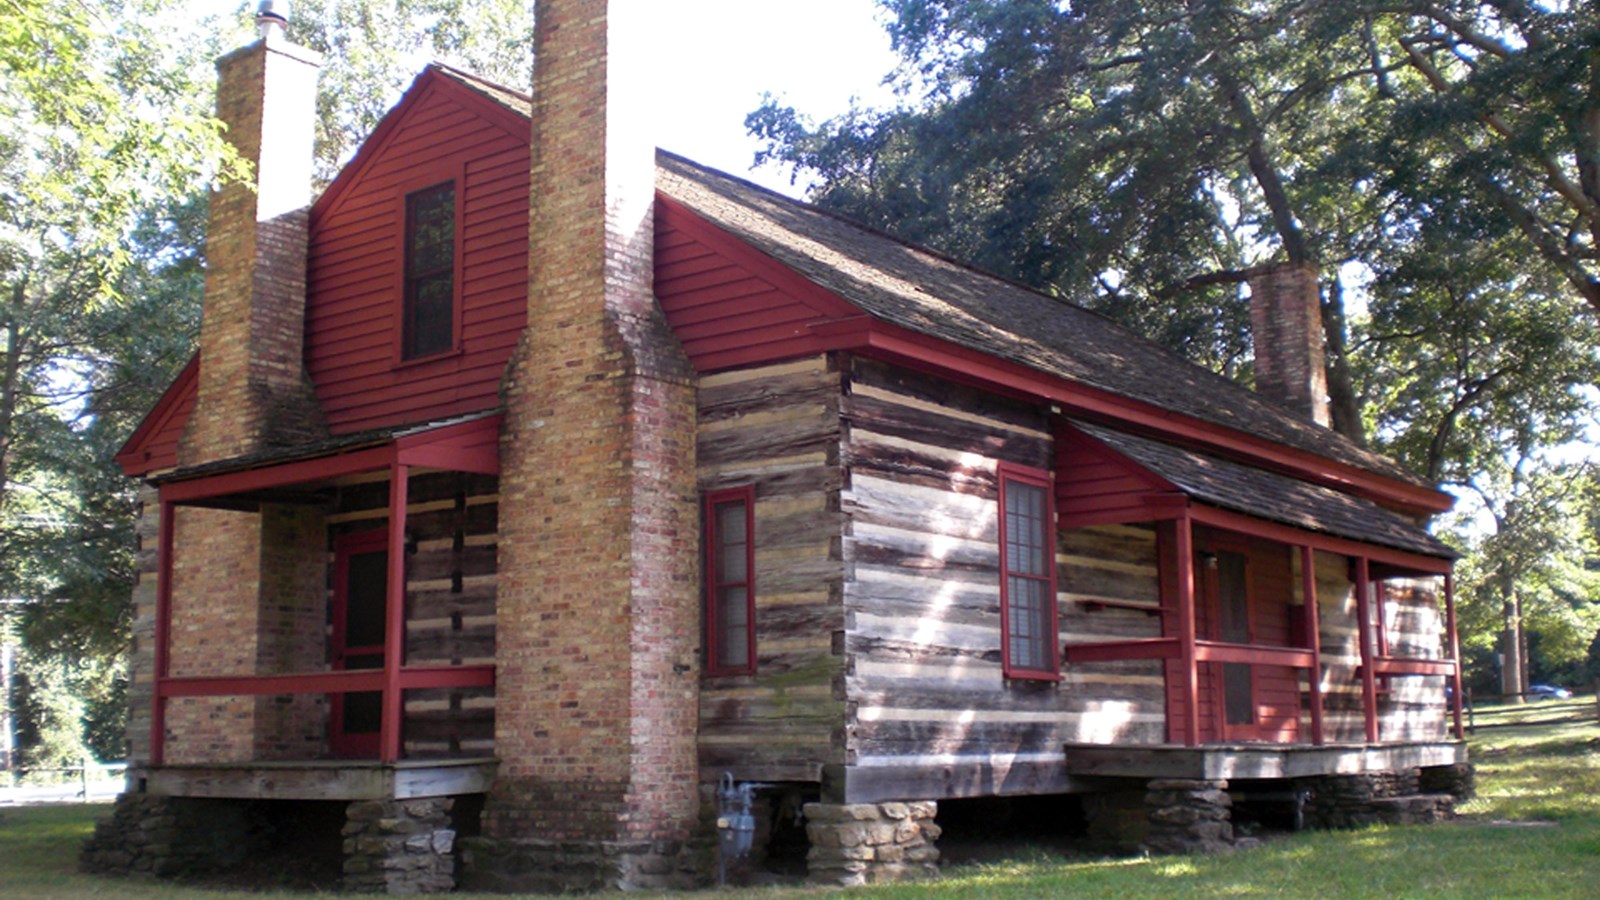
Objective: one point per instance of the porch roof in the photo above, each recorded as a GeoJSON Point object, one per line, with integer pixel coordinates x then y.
{"type": "Point", "coordinates": [1269, 495]}
{"type": "Point", "coordinates": [468, 443]}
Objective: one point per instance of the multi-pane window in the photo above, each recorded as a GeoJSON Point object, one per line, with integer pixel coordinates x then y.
{"type": "Point", "coordinates": [730, 582]}
{"type": "Point", "coordinates": [1027, 575]}
{"type": "Point", "coordinates": [430, 283]}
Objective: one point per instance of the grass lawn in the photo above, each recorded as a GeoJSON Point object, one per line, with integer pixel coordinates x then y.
{"type": "Point", "coordinates": [1533, 831]}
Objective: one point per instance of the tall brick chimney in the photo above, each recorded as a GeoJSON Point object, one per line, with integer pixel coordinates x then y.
{"type": "Point", "coordinates": [597, 617]}
{"type": "Point", "coordinates": [253, 391]}
{"type": "Point", "coordinates": [1286, 327]}
{"type": "Point", "coordinates": [248, 586]}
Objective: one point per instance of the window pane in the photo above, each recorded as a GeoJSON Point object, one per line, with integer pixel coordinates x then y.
{"type": "Point", "coordinates": [732, 543]}
{"type": "Point", "coordinates": [366, 598]}
{"type": "Point", "coordinates": [1029, 622]}
{"type": "Point", "coordinates": [1025, 529]}
{"type": "Point", "coordinates": [429, 319]}
{"type": "Point", "coordinates": [733, 627]}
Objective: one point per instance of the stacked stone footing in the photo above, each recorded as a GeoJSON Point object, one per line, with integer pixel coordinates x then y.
{"type": "Point", "coordinates": [1407, 797]}
{"type": "Point", "coordinates": [1188, 816]}
{"type": "Point", "coordinates": [153, 836]}
{"type": "Point", "coordinates": [871, 843]}
{"type": "Point", "coordinates": [399, 846]}
{"type": "Point", "coordinates": [501, 865]}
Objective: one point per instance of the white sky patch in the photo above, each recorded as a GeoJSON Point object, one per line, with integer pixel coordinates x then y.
{"type": "Point", "coordinates": [716, 58]}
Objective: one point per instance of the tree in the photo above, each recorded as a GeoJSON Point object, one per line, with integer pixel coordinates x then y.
{"type": "Point", "coordinates": [373, 48]}
{"type": "Point", "coordinates": [1140, 158]}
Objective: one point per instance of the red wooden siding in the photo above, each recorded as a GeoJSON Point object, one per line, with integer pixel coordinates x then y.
{"type": "Point", "coordinates": [154, 444]}
{"type": "Point", "coordinates": [729, 304]}
{"type": "Point", "coordinates": [439, 133]}
{"type": "Point", "coordinates": [1095, 485]}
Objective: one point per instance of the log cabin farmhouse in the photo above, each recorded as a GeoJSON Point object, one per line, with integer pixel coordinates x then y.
{"type": "Point", "coordinates": [529, 479]}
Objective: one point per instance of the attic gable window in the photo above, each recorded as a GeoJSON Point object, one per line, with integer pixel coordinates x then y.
{"type": "Point", "coordinates": [1028, 626]}
{"type": "Point", "coordinates": [430, 273]}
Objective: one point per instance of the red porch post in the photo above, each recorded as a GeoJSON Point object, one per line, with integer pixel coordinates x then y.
{"type": "Point", "coordinates": [1186, 649]}
{"type": "Point", "coordinates": [1455, 653]}
{"type": "Point", "coordinates": [1308, 590]}
{"type": "Point", "coordinates": [394, 618]}
{"type": "Point", "coordinates": [163, 648]}
{"type": "Point", "coordinates": [1369, 682]}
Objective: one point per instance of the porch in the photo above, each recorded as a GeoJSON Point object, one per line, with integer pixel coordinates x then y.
{"type": "Point", "coordinates": [1238, 762]}
{"type": "Point", "coordinates": [1255, 567]}
{"type": "Point", "coordinates": [319, 638]}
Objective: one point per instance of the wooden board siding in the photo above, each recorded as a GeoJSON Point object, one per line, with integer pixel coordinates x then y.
{"type": "Point", "coordinates": [450, 598]}
{"type": "Point", "coordinates": [353, 275]}
{"type": "Point", "coordinates": [729, 304]}
{"type": "Point", "coordinates": [1094, 484]}
{"type": "Point", "coordinates": [776, 429]}
{"type": "Point", "coordinates": [924, 679]}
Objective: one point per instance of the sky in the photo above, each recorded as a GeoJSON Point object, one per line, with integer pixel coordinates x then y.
{"type": "Point", "coordinates": [717, 58]}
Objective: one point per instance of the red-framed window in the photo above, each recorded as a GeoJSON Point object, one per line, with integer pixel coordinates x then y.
{"type": "Point", "coordinates": [429, 305]}
{"type": "Point", "coordinates": [730, 582]}
{"type": "Point", "coordinates": [1028, 623]}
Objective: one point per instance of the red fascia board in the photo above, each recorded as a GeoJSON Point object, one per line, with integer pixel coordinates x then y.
{"type": "Point", "coordinates": [430, 448]}
{"type": "Point", "coordinates": [1097, 451]}
{"type": "Point", "coordinates": [1288, 534]}
{"type": "Point", "coordinates": [866, 334]}
{"type": "Point", "coordinates": [132, 455]}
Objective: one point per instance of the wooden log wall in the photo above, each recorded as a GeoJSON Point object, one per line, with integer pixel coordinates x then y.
{"type": "Point", "coordinates": [776, 429]}
{"type": "Point", "coordinates": [924, 680]}
{"type": "Point", "coordinates": [1410, 707]}
{"type": "Point", "coordinates": [1414, 708]}
{"type": "Point", "coordinates": [450, 597]}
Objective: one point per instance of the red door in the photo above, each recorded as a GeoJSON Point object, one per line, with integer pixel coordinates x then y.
{"type": "Point", "coordinates": [360, 589]}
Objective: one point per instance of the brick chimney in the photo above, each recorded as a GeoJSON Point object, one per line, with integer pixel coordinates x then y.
{"type": "Point", "coordinates": [1286, 327]}
{"type": "Point", "coordinates": [248, 586]}
{"type": "Point", "coordinates": [597, 618]}
{"type": "Point", "coordinates": [253, 391]}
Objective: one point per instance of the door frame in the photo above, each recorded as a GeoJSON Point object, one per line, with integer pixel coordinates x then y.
{"type": "Point", "coordinates": [1211, 597]}
{"type": "Point", "coordinates": [342, 744]}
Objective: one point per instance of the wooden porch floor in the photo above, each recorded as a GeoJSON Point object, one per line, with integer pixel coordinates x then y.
{"type": "Point", "coordinates": [1216, 762]}
{"type": "Point", "coordinates": [330, 779]}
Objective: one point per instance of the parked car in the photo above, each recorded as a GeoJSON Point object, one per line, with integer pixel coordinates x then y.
{"type": "Point", "coordinates": [1548, 692]}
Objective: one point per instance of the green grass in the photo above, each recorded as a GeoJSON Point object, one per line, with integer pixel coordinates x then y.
{"type": "Point", "coordinates": [1533, 831]}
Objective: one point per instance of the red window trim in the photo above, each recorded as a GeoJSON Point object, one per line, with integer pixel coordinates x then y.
{"type": "Point", "coordinates": [714, 499]}
{"type": "Point", "coordinates": [436, 177]}
{"type": "Point", "coordinates": [1042, 479]}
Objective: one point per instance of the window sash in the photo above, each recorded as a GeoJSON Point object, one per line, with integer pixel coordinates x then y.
{"type": "Point", "coordinates": [730, 613]}
{"type": "Point", "coordinates": [428, 325]}
{"type": "Point", "coordinates": [1029, 626]}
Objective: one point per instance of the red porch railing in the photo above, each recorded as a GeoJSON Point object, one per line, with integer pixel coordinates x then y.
{"type": "Point", "coordinates": [466, 446]}
{"type": "Point", "coordinates": [1190, 651]}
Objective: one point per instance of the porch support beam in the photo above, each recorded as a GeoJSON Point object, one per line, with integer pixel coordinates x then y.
{"type": "Point", "coordinates": [394, 617]}
{"type": "Point", "coordinates": [1186, 630]}
{"type": "Point", "coordinates": [1455, 653]}
{"type": "Point", "coordinates": [1369, 682]}
{"type": "Point", "coordinates": [163, 648]}
{"type": "Point", "coordinates": [1308, 590]}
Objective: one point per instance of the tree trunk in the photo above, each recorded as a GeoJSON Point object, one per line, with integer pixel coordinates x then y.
{"type": "Point", "coordinates": [1513, 667]}
{"type": "Point", "coordinates": [1344, 407]}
